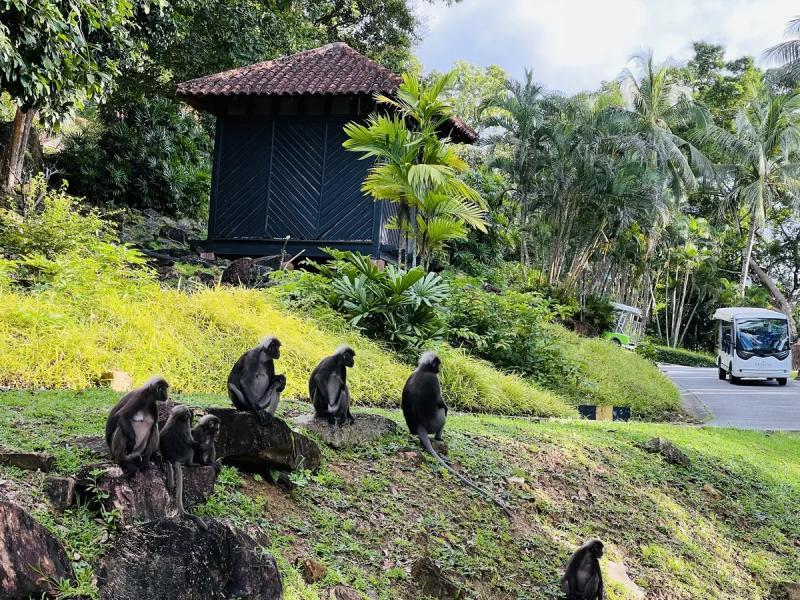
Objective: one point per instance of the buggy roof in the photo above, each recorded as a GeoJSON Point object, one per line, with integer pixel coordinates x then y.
{"type": "Point", "coordinates": [746, 312]}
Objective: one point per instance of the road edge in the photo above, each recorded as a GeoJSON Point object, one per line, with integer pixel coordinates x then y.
{"type": "Point", "coordinates": [690, 402]}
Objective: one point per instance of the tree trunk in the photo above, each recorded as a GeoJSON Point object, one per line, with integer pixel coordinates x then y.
{"type": "Point", "coordinates": [13, 158]}
{"type": "Point", "coordinates": [402, 239]}
{"type": "Point", "coordinates": [748, 253]}
{"type": "Point", "coordinates": [777, 294]}
{"type": "Point", "coordinates": [523, 238]}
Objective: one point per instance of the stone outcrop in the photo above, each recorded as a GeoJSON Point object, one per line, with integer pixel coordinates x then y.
{"type": "Point", "coordinates": [246, 272]}
{"type": "Point", "coordinates": [31, 558]}
{"type": "Point", "coordinates": [29, 461]}
{"type": "Point", "coordinates": [144, 496]}
{"type": "Point", "coordinates": [432, 582]}
{"type": "Point", "coordinates": [246, 443]}
{"type": "Point", "coordinates": [366, 428]}
{"type": "Point", "coordinates": [176, 560]}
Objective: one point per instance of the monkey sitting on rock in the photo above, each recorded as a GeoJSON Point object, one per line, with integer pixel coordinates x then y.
{"type": "Point", "coordinates": [327, 386]}
{"type": "Point", "coordinates": [253, 385]}
{"type": "Point", "coordinates": [582, 578]}
{"type": "Point", "coordinates": [177, 449]}
{"type": "Point", "coordinates": [205, 434]}
{"type": "Point", "coordinates": [132, 426]}
{"type": "Point", "coordinates": [425, 413]}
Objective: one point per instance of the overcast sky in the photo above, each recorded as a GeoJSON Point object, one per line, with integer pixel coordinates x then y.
{"type": "Point", "coordinates": [573, 45]}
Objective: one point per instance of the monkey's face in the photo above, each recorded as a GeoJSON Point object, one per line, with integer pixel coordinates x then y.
{"type": "Point", "coordinates": [597, 549]}
{"type": "Point", "coordinates": [349, 358]}
{"type": "Point", "coordinates": [436, 365]}
{"type": "Point", "coordinates": [273, 351]}
{"type": "Point", "coordinates": [162, 391]}
{"type": "Point", "coordinates": [211, 424]}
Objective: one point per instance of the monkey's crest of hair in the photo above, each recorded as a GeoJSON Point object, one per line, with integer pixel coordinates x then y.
{"type": "Point", "coordinates": [344, 348]}
{"type": "Point", "coordinates": [427, 359]}
{"type": "Point", "coordinates": [267, 341]}
{"type": "Point", "coordinates": [154, 381]}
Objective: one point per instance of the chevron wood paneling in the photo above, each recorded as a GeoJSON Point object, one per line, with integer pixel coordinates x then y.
{"type": "Point", "coordinates": [241, 179]}
{"type": "Point", "coordinates": [296, 179]}
{"type": "Point", "coordinates": [345, 213]}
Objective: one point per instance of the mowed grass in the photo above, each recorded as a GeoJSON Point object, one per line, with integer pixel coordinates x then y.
{"type": "Point", "coordinates": [57, 340]}
{"type": "Point", "coordinates": [610, 375]}
{"type": "Point", "coordinates": [727, 526]}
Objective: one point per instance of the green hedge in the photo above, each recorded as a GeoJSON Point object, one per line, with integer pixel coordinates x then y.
{"type": "Point", "coordinates": [681, 356]}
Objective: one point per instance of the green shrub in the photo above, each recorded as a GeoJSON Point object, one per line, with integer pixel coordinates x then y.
{"type": "Point", "coordinates": [681, 356]}
{"type": "Point", "coordinates": [508, 329]}
{"type": "Point", "coordinates": [150, 153]}
{"type": "Point", "coordinates": [391, 305]}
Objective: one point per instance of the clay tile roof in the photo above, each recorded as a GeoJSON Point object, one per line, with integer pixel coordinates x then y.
{"type": "Point", "coordinates": [329, 70]}
{"type": "Point", "coordinates": [332, 69]}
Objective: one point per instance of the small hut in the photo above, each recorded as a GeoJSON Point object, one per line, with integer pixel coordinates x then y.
{"type": "Point", "coordinates": [280, 170]}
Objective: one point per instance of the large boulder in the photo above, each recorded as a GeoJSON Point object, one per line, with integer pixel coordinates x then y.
{"type": "Point", "coordinates": [247, 444]}
{"type": "Point", "coordinates": [365, 429]}
{"type": "Point", "coordinates": [28, 461]}
{"type": "Point", "coordinates": [176, 560]}
{"type": "Point", "coordinates": [30, 557]}
{"type": "Point", "coordinates": [144, 496]}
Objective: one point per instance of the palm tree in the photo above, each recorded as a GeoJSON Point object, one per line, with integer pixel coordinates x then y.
{"type": "Point", "coordinates": [762, 153]}
{"type": "Point", "coordinates": [521, 119]}
{"type": "Point", "coordinates": [788, 52]}
{"type": "Point", "coordinates": [657, 107]}
{"type": "Point", "coordinates": [411, 160]}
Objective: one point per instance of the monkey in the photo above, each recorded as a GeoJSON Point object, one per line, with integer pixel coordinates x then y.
{"type": "Point", "coordinates": [582, 578]}
{"type": "Point", "coordinates": [177, 449]}
{"type": "Point", "coordinates": [328, 389]}
{"type": "Point", "coordinates": [426, 412]}
{"type": "Point", "coordinates": [250, 383]}
{"type": "Point", "coordinates": [132, 426]}
{"type": "Point", "coordinates": [205, 434]}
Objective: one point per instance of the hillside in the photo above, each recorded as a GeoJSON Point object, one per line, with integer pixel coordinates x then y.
{"type": "Point", "coordinates": [727, 526]}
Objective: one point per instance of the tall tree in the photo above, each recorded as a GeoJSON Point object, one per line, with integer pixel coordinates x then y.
{"type": "Point", "coordinates": [521, 117]}
{"type": "Point", "coordinates": [762, 169]}
{"type": "Point", "coordinates": [55, 55]}
{"type": "Point", "coordinates": [787, 53]}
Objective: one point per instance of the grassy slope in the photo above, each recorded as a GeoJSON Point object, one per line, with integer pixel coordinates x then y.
{"type": "Point", "coordinates": [610, 375]}
{"type": "Point", "coordinates": [681, 356]}
{"type": "Point", "coordinates": [57, 340]}
{"type": "Point", "coordinates": [367, 513]}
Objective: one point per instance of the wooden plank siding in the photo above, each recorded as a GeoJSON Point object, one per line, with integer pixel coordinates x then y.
{"type": "Point", "coordinates": [287, 175]}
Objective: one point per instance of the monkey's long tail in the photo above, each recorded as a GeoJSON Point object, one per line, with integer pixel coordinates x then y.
{"type": "Point", "coordinates": [179, 498]}
{"type": "Point", "coordinates": [426, 442]}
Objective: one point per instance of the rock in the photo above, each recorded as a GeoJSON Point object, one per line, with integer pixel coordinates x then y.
{"type": "Point", "coordinates": [432, 582]}
{"type": "Point", "coordinates": [712, 492]}
{"type": "Point", "coordinates": [166, 272]}
{"type": "Point", "coordinates": [515, 480]}
{"type": "Point", "coordinates": [246, 272]}
{"type": "Point", "coordinates": [118, 381]}
{"type": "Point", "coordinates": [440, 446]}
{"type": "Point", "coordinates": [208, 256]}
{"type": "Point", "coordinates": [30, 556]}
{"type": "Point", "coordinates": [366, 428]}
{"type": "Point", "coordinates": [175, 234]}
{"type": "Point", "coordinates": [144, 496]}
{"type": "Point", "coordinates": [29, 461]}
{"type": "Point", "coordinates": [60, 492]}
{"type": "Point", "coordinates": [312, 569]}
{"type": "Point", "coordinates": [671, 453]}
{"type": "Point", "coordinates": [619, 575]}
{"type": "Point", "coordinates": [274, 262]}
{"type": "Point", "coordinates": [245, 443]}
{"type": "Point", "coordinates": [174, 559]}
{"type": "Point", "coordinates": [94, 444]}
{"type": "Point", "coordinates": [786, 591]}
{"type": "Point", "coordinates": [342, 592]}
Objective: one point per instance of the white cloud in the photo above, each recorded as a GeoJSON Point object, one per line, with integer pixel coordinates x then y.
{"type": "Point", "coordinates": [575, 44]}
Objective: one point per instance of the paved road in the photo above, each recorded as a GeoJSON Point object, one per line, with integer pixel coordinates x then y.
{"type": "Point", "coordinates": [752, 404]}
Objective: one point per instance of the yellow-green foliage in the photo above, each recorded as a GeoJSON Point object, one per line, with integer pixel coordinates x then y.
{"type": "Point", "coordinates": [468, 383]}
{"type": "Point", "coordinates": [55, 339]}
{"type": "Point", "coordinates": [614, 376]}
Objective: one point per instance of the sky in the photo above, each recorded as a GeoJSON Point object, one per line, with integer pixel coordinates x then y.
{"type": "Point", "coordinates": [573, 45]}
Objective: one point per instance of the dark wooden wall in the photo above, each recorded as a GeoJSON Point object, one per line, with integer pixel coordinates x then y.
{"type": "Point", "coordinates": [289, 175]}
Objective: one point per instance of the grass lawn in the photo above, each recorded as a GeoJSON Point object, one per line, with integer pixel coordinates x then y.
{"type": "Point", "coordinates": [728, 526]}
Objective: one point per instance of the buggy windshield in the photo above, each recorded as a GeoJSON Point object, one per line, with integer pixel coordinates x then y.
{"type": "Point", "coordinates": [762, 336]}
